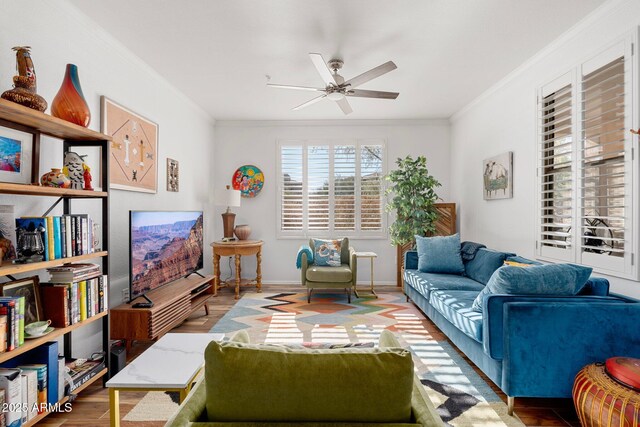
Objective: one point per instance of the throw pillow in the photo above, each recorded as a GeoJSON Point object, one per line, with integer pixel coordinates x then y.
{"type": "Point", "coordinates": [485, 262]}
{"type": "Point", "coordinates": [548, 279]}
{"type": "Point", "coordinates": [440, 254]}
{"type": "Point", "coordinates": [327, 252]}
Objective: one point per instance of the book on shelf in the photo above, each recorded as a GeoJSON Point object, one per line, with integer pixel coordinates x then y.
{"type": "Point", "coordinates": [13, 308]}
{"type": "Point", "coordinates": [40, 370]}
{"type": "Point", "coordinates": [80, 373]}
{"type": "Point", "coordinates": [62, 236]}
{"type": "Point", "coordinates": [3, 421]}
{"type": "Point", "coordinates": [74, 272]}
{"type": "Point", "coordinates": [11, 383]}
{"type": "Point", "coordinates": [43, 356]}
{"type": "Point", "coordinates": [29, 394]}
{"type": "Point", "coordinates": [3, 333]}
{"type": "Point", "coordinates": [67, 303]}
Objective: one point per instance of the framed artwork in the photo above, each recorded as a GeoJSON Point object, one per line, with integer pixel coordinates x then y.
{"type": "Point", "coordinates": [173, 175]}
{"type": "Point", "coordinates": [249, 180]}
{"type": "Point", "coordinates": [16, 156]}
{"type": "Point", "coordinates": [498, 177]}
{"type": "Point", "coordinates": [8, 241]}
{"type": "Point", "coordinates": [27, 288]}
{"type": "Point", "coordinates": [134, 149]}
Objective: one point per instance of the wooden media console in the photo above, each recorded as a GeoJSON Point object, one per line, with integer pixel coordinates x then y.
{"type": "Point", "coordinates": [172, 304]}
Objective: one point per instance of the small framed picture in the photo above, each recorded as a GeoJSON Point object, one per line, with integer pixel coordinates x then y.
{"type": "Point", "coordinates": [16, 156]}
{"type": "Point", "coordinates": [27, 288]}
{"type": "Point", "coordinates": [173, 175]}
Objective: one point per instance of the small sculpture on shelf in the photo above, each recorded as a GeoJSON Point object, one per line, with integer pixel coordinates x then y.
{"type": "Point", "coordinates": [69, 103]}
{"type": "Point", "coordinates": [24, 84]}
{"type": "Point", "coordinates": [87, 177]}
{"type": "Point", "coordinates": [74, 168]}
{"type": "Point", "coordinates": [56, 178]}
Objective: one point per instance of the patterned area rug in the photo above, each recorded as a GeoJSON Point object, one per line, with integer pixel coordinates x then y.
{"type": "Point", "coordinates": [461, 397]}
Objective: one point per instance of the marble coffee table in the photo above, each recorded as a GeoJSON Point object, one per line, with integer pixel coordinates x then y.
{"type": "Point", "coordinates": [171, 364]}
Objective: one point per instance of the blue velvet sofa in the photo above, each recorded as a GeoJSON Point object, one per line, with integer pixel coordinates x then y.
{"type": "Point", "coordinates": [530, 346]}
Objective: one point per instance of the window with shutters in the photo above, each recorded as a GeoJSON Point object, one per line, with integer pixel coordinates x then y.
{"type": "Point", "coordinates": [586, 165]}
{"type": "Point", "coordinates": [331, 188]}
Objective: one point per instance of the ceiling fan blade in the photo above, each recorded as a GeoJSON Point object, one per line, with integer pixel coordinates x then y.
{"type": "Point", "coordinates": [361, 93]}
{"type": "Point", "coordinates": [312, 101]}
{"type": "Point", "coordinates": [344, 106]}
{"type": "Point", "coordinates": [313, 89]}
{"type": "Point", "coordinates": [371, 74]}
{"type": "Point", "coordinates": [323, 69]}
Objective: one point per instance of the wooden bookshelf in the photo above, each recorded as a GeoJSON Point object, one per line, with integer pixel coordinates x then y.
{"type": "Point", "coordinates": [65, 399]}
{"type": "Point", "coordinates": [38, 190]}
{"type": "Point", "coordinates": [46, 124]}
{"type": "Point", "coordinates": [55, 334]}
{"type": "Point", "coordinates": [11, 269]}
{"type": "Point", "coordinates": [40, 124]}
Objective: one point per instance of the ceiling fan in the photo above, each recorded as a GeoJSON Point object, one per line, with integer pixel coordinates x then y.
{"type": "Point", "coordinates": [337, 89]}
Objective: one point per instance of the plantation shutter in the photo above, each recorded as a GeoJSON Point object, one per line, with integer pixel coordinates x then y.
{"type": "Point", "coordinates": [291, 188]}
{"type": "Point", "coordinates": [555, 169]}
{"type": "Point", "coordinates": [344, 187]}
{"type": "Point", "coordinates": [605, 168]}
{"type": "Point", "coordinates": [318, 167]}
{"type": "Point", "coordinates": [371, 191]}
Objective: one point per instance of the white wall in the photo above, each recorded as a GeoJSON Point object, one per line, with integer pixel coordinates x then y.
{"type": "Point", "coordinates": [246, 142]}
{"type": "Point", "coordinates": [503, 119]}
{"type": "Point", "coordinates": [59, 34]}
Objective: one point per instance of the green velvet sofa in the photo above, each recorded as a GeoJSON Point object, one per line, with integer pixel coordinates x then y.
{"type": "Point", "coordinates": [239, 379]}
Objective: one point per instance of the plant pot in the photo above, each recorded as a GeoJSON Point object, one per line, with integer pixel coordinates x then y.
{"type": "Point", "coordinates": [242, 232]}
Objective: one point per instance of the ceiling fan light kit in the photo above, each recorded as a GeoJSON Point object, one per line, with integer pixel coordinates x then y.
{"type": "Point", "coordinates": [337, 89]}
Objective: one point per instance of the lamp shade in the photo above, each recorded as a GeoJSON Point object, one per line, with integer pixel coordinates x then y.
{"type": "Point", "coordinates": [227, 197]}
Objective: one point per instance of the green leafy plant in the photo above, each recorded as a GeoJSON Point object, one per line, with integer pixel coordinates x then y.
{"type": "Point", "coordinates": [412, 199]}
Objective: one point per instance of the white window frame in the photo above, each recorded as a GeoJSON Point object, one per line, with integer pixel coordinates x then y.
{"type": "Point", "coordinates": [382, 234]}
{"type": "Point", "coordinates": [627, 266]}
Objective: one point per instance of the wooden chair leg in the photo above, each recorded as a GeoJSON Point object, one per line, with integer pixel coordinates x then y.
{"type": "Point", "coordinates": [309, 295]}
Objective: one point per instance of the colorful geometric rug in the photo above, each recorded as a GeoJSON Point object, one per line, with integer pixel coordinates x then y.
{"type": "Point", "coordinates": [461, 397]}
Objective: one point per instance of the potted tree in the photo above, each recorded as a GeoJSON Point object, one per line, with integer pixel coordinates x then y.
{"type": "Point", "coordinates": [412, 198]}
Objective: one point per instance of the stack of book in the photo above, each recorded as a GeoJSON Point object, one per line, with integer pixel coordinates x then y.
{"type": "Point", "coordinates": [76, 292]}
{"type": "Point", "coordinates": [80, 371]}
{"type": "Point", "coordinates": [11, 323]}
{"type": "Point", "coordinates": [63, 236]}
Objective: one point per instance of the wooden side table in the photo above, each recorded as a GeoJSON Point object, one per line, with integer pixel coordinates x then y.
{"type": "Point", "coordinates": [371, 256]}
{"type": "Point", "coordinates": [237, 249]}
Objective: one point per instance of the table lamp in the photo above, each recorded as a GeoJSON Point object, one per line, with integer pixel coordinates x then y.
{"type": "Point", "coordinates": [228, 197]}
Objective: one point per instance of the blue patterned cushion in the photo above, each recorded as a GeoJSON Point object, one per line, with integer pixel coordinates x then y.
{"type": "Point", "coordinates": [439, 254]}
{"type": "Point", "coordinates": [548, 279]}
{"type": "Point", "coordinates": [327, 252]}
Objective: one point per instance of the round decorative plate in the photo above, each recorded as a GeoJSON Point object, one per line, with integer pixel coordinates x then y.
{"type": "Point", "coordinates": [249, 180]}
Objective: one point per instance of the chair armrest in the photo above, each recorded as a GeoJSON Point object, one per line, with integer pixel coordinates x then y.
{"type": "Point", "coordinates": [353, 265]}
{"type": "Point", "coordinates": [304, 264]}
{"type": "Point", "coordinates": [193, 407]}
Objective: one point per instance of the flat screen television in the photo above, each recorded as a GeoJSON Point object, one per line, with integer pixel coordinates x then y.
{"type": "Point", "coordinates": [164, 246]}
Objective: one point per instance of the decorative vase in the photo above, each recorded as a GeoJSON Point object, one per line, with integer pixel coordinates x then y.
{"type": "Point", "coordinates": [242, 232]}
{"type": "Point", "coordinates": [55, 178]}
{"type": "Point", "coordinates": [69, 104]}
{"type": "Point", "coordinates": [24, 84]}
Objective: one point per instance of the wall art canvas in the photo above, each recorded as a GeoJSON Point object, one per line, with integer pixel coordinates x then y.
{"type": "Point", "coordinates": [8, 242]}
{"type": "Point", "coordinates": [16, 150]}
{"type": "Point", "coordinates": [249, 180]}
{"type": "Point", "coordinates": [173, 175]}
{"type": "Point", "coordinates": [134, 149]}
{"type": "Point", "coordinates": [498, 177]}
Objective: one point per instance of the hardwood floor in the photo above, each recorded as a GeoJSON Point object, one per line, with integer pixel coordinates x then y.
{"type": "Point", "coordinates": [91, 408]}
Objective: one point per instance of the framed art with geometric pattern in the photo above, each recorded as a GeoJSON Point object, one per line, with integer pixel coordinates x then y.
{"type": "Point", "coordinates": [133, 152]}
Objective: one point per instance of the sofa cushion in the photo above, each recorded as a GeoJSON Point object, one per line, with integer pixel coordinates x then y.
{"type": "Point", "coordinates": [427, 282]}
{"type": "Point", "coordinates": [248, 382]}
{"type": "Point", "coordinates": [482, 266]}
{"type": "Point", "coordinates": [456, 307]}
{"type": "Point", "coordinates": [329, 274]}
{"type": "Point", "coordinates": [548, 279]}
{"type": "Point", "coordinates": [439, 254]}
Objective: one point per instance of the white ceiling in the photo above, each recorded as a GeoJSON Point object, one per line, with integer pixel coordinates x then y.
{"type": "Point", "coordinates": [448, 52]}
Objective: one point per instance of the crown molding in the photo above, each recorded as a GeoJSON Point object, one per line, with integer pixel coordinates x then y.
{"type": "Point", "coordinates": [586, 23]}
{"type": "Point", "coordinates": [307, 123]}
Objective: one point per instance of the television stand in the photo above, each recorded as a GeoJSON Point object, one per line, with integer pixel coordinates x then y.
{"type": "Point", "coordinates": [147, 304]}
{"type": "Point", "coordinates": [172, 304]}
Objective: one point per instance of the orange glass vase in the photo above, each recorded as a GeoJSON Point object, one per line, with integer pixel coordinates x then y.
{"type": "Point", "coordinates": [69, 104]}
